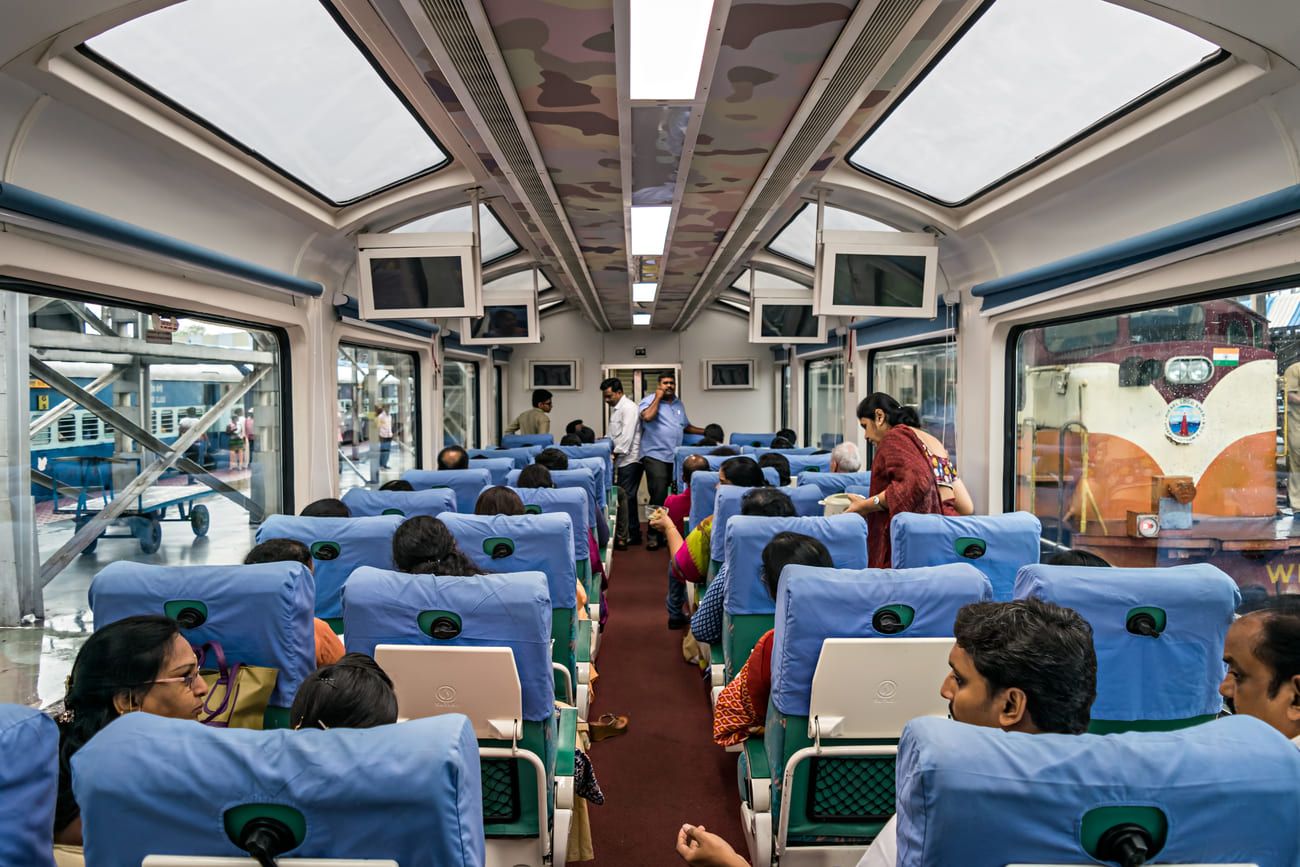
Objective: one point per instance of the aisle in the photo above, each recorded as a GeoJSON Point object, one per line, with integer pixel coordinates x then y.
{"type": "Point", "coordinates": [665, 770]}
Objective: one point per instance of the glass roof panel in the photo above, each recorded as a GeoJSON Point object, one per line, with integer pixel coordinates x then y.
{"type": "Point", "coordinates": [798, 240]}
{"type": "Point", "coordinates": [280, 79]}
{"type": "Point", "coordinates": [766, 280]}
{"type": "Point", "coordinates": [1026, 78]}
{"type": "Point", "coordinates": [496, 241]}
{"type": "Point", "coordinates": [518, 280]}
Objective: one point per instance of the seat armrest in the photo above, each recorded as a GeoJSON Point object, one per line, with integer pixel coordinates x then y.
{"type": "Point", "coordinates": [566, 742]}
{"type": "Point", "coordinates": [759, 774]}
{"type": "Point", "coordinates": [584, 642]}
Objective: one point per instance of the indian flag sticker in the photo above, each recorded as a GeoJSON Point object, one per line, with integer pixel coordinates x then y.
{"type": "Point", "coordinates": [1229, 356]}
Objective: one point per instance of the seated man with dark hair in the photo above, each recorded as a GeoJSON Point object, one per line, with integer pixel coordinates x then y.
{"type": "Point", "coordinates": [780, 463]}
{"type": "Point", "coordinates": [326, 508]}
{"type": "Point", "coordinates": [1075, 557]}
{"type": "Point", "coordinates": [579, 430]}
{"type": "Point", "coordinates": [397, 485]}
{"type": "Point", "coordinates": [679, 504]}
{"type": "Point", "coordinates": [329, 649]}
{"type": "Point", "coordinates": [780, 442]}
{"type": "Point", "coordinates": [706, 623]}
{"type": "Point", "coordinates": [552, 459]}
{"type": "Point", "coordinates": [725, 452]}
{"type": "Point", "coordinates": [788, 435]}
{"type": "Point", "coordinates": [714, 432]}
{"type": "Point", "coordinates": [453, 458]}
{"type": "Point", "coordinates": [1025, 666]}
{"type": "Point", "coordinates": [570, 440]}
{"type": "Point", "coordinates": [707, 443]}
{"type": "Point", "coordinates": [1262, 652]}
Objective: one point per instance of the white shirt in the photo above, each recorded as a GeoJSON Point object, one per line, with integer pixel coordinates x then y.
{"type": "Point", "coordinates": [625, 431]}
{"type": "Point", "coordinates": [884, 849]}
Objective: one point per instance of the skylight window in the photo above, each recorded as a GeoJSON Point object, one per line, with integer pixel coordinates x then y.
{"type": "Point", "coordinates": [798, 240]}
{"type": "Point", "coordinates": [640, 318]}
{"type": "Point", "coordinates": [1027, 78]}
{"type": "Point", "coordinates": [766, 280]}
{"type": "Point", "coordinates": [519, 280]}
{"type": "Point", "coordinates": [282, 81]}
{"type": "Point", "coordinates": [667, 48]}
{"type": "Point", "coordinates": [496, 242]}
{"type": "Point", "coordinates": [644, 293]}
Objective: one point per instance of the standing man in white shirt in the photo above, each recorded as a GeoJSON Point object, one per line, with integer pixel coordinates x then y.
{"type": "Point", "coordinates": [625, 431]}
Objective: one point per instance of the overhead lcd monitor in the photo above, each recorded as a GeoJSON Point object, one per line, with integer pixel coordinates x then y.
{"type": "Point", "coordinates": [508, 317]}
{"type": "Point", "coordinates": [422, 276]}
{"type": "Point", "coordinates": [890, 274]}
{"type": "Point", "coordinates": [784, 316]}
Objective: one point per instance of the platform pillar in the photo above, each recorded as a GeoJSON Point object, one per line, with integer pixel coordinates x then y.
{"type": "Point", "coordinates": [20, 592]}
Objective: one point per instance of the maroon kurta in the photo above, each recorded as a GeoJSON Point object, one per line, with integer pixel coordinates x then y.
{"type": "Point", "coordinates": [903, 473]}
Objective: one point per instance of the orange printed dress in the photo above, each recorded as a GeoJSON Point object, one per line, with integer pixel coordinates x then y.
{"type": "Point", "coordinates": [742, 705]}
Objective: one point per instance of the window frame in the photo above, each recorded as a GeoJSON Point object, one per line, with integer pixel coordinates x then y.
{"type": "Point", "coordinates": [483, 263]}
{"type": "Point", "coordinates": [1145, 99]}
{"type": "Point", "coordinates": [870, 352]}
{"type": "Point", "coordinates": [1009, 367]}
{"type": "Point", "coordinates": [283, 350]}
{"type": "Point", "coordinates": [806, 363]}
{"type": "Point", "coordinates": [166, 102]}
{"type": "Point", "coordinates": [417, 418]}
{"type": "Point", "coordinates": [767, 246]}
{"type": "Point", "coordinates": [475, 394]}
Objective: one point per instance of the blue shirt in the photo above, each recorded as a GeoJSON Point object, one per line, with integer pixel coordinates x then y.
{"type": "Point", "coordinates": [661, 436]}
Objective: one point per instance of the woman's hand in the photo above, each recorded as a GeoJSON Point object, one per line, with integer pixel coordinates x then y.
{"type": "Point", "coordinates": [659, 520]}
{"type": "Point", "coordinates": [700, 848]}
{"type": "Point", "coordinates": [858, 504]}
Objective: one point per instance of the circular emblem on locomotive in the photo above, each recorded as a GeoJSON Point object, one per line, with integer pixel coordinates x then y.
{"type": "Point", "coordinates": [1184, 419]}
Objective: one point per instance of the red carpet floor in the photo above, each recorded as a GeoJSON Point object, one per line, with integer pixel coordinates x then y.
{"type": "Point", "coordinates": [666, 769]}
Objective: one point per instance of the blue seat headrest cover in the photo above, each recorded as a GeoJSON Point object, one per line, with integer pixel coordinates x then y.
{"type": "Point", "coordinates": [704, 488]}
{"type": "Point", "coordinates": [467, 484]}
{"type": "Point", "coordinates": [29, 785]}
{"type": "Point", "coordinates": [1007, 542]}
{"type": "Point", "coordinates": [804, 463]}
{"type": "Point", "coordinates": [833, 483]}
{"type": "Point", "coordinates": [508, 610]}
{"type": "Point", "coordinates": [982, 797]}
{"type": "Point", "coordinates": [261, 614]}
{"type": "Point", "coordinates": [756, 453]}
{"type": "Point", "coordinates": [598, 471]}
{"type": "Point", "coordinates": [1171, 677]}
{"type": "Point", "coordinates": [727, 504]}
{"type": "Point", "coordinates": [542, 543]}
{"type": "Point", "coordinates": [356, 542]}
{"type": "Point", "coordinates": [758, 440]}
{"type": "Point", "coordinates": [497, 467]}
{"type": "Point", "coordinates": [747, 535]}
{"type": "Point", "coordinates": [570, 501]}
{"type": "Point", "coordinates": [521, 456]}
{"type": "Point", "coordinates": [583, 478]}
{"type": "Point", "coordinates": [407, 504]}
{"type": "Point", "coordinates": [410, 792]}
{"type": "Point", "coordinates": [511, 441]}
{"type": "Point", "coordinates": [603, 449]}
{"type": "Point", "coordinates": [815, 604]}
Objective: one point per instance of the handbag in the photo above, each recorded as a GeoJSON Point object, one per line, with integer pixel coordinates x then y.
{"type": "Point", "coordinates": [237, 693]}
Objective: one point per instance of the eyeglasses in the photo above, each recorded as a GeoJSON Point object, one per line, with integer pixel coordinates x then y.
{"type": "Point", "coordinates": [187, 679]}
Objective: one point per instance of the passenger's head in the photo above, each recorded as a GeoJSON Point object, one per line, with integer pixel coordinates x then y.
{"type": "Point", "coordinates": [574, 426]}
{"type": "Point", "coordinates": [498, 500]}
{"type": "Point", "coordinates": [714, 432]}
{"type": "Point", "coordinates": [1263, 657]}
{"type": "Point", "coordinates": [140, 663]}
{"type": "Point", "coordinates": [791, 549]}
{"type": "Point", "coordinates": [397, 485]}
{"type": "Point", "coordinates": [453, 458]}
{"type": "Point", "coordinates": [742, 471]}
{"type": "Point", "coordinates": [780, 442]}
{"type": "Point", "coordinates": [725, 452]}
{"type": "Point", "coordinates": [1024, 666]}
{"type": "Point", "coordinates": [668, 383]}
{"type": "Point", "coordinates": [788, 435]}
{"type": "Point", "coordinates": [878, 412]}
{"type": "Point", "coordinates": [326, 508]}
{"type": "Point", "coordinates": [845, 458]}
{"type": "Point", "coordinates": [705, 442]}
{"type": "Point", "coordinates": [767, 503]}
{"type": "Point", "coordinates": [353, 693]}
{"type": "Point", "coordinates": [1075, 557]}
{"type": "Point", "coordinates": [570, 440]}
{"type": "Point", "coordinates": [535, 476]}
{"type": "Point", "coordinates": [780, 463]}
{"type": "Point", "coordinates": [424, 546]}
{"type": "Point", "coordinates": [279, 551]}
{"type": "Point", "coordinates": [552, 459]}
{"type": "Point", "coordinates": [611, 390]}
{"type": "Point", "coordinates": [542, 399]}
{"type": "Point", "coordinates": [691, 465]}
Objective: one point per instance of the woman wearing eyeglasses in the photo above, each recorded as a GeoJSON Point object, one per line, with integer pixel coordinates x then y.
{"type": "Point", "coordinates": [136, 664]}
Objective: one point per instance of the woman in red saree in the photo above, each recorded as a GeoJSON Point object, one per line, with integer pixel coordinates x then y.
{"type": "Point", "coordinates": [912, 472]}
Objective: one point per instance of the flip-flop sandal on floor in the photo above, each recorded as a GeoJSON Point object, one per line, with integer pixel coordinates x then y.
{"type": "Point", "coordinates": [607, 726]}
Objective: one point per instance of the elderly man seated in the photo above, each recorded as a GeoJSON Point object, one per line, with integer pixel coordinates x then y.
{"type": "Point", "coordinates": [845, 458]}
{"type": "Point", "coordinates": [1024, 666]}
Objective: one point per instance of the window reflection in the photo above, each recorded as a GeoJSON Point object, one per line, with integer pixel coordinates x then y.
{"type": "Point", "coordinates": [378, 437]}
{"type": "Point", "coordinates": [1190, 412]}
{"type": "Point", "coordinates": [824, 412]}
{"type": "Point", "coordinates": [460, 403]}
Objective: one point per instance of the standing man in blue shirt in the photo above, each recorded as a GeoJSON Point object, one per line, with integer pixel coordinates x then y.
{"type": "Point", "coordinates": [663, 421]}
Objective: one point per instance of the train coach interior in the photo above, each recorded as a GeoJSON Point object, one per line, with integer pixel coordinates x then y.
{"type": "Point", "coordinates": [256, 254]}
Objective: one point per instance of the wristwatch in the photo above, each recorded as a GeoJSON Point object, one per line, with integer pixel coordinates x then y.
{"type": "Point", "coordinates": [875, 501]}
